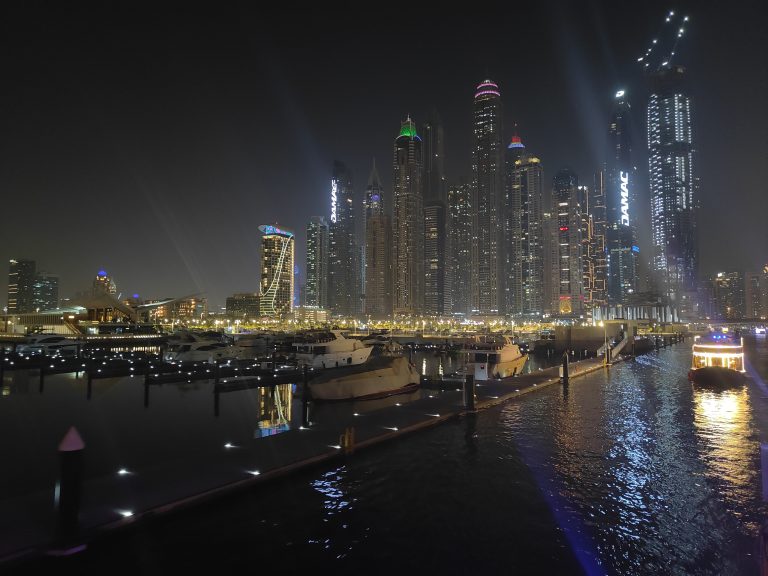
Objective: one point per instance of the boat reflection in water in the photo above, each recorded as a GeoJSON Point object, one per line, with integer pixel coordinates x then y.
{"type": "Point", "coordinates": [727, 437]}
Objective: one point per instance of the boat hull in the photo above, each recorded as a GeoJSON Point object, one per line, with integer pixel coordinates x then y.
{"type": "Point", "coordinates": [335, 359]}
{"type": "Point", "coordinates": [716, 376]}
{"type": "Point", "coordinates": [488, 370]}
{"type": "Point", "coordinates": [378, 378]}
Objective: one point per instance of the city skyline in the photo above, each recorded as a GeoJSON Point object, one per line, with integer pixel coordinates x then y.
{"type": "Point", "coordinates": [154, 171]}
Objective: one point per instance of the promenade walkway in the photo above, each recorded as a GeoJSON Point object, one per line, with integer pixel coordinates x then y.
{"type": "Point", "coordinates": [27, 524]}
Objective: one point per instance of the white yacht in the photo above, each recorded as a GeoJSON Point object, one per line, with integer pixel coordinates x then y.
{"type": "Point", "coordinates": [379, 377]}
{"type": "Point", "coordinates": [200, 347]}
{"type": "Point", "coordinates": [330, 350]}
{"type": "Point", "coordinates": [50, 344]}
{"type": "Point", "coordinates": [489, 358]}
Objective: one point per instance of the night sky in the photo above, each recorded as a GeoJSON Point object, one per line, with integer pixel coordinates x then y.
{"type": "Point", "coordinates": [152, 142]}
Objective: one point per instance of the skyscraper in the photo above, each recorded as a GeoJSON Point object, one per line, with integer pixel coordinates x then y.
{"type": "Point", "coordinates": [621, 243]}
{"type": "Point", "coordinates": [343, 287]}
{"type": "Point", "coordinates": [434, 159]}
{"type": "Point", "coordinates": [46, 291]}
{"type": "Point", "coordinates": [21, 282]}
{"type": "Point", "coordinates": [598, 246]}
{"type": "Point", "coordinates": [435, 217]}
{"type": "Point", "coordinates": [460, 247]}
{"type": "Point", "coordinates": [672, 183]}
{"type": "Point", "coordinates": [316, 289]}
{"type": "Point", "coordinates": [103, 284]}
{"type": "Point", "coordinates": [378, 245]}
{"type": "Point", "coordinates": [729, 298]}
{"type": "Point", "coordinates": [488, 256]}
{"type": "Point", "coordinates": [567, 199]}
{"type": "Point", "coordinates": [408, 226]}
{"type": "Point", "coordinates": [525, 244]}
{"type": "Point", "coordinates": [277, 254]}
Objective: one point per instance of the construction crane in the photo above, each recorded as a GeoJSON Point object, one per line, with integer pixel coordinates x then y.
{"type": "Point", "coordinates": [653, 59]}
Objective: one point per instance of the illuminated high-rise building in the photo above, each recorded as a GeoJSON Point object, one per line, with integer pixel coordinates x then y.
{"type": "Point", "coordinates": [436, 296]}
{"type": "Point", "coordinates": [729, 298]}
{"type": "Point", "coordinates": [620, 183]}
{"type": "Point", "coordinates": [343, 275]}
{"type": "Point", "coordinates": [276, 287]}
{"type": "Point", "coordinates": [46, 291]}
{"type": "Point", "coordinates": [673, 186]}
{"type": "Point", "coordinates": [103, 284]}
{"type": "Point", "coordinates": [753, 292]}
{"type": "Point", "coordinates": [488, 254]}
{"type": "Point", "coordinates": [459, 248]}
{"type": "Point", "coordinates": [316, 287]}
{"type": "Point", "coordinates": [598, 245]}
{"type": "Point", "coordinates": [568, 205]}
{"type": "Point", "coordinates": [21, 286]}
{"type": "Point", "coordinates": [434, 183]}
{"type": "Point", "coordinates": [378, 247]}
{"type": "Point", "coordinates": [408, 226]}
{"type": "Point", "coordinates": [525, 240]}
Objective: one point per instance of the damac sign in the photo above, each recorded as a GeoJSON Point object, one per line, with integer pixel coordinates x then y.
{"type": "Point", "coordinates": [333, 200]}
{"type": "Point", "coordinates": [624, 177]}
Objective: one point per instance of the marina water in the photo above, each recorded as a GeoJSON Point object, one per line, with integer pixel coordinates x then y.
{"type": "Point", "coordinates": [629, 471]}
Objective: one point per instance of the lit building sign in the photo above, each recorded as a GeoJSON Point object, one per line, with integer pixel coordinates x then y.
{"type": "Point", "coordinates": [624, 177]}
{"type": "Point", "coordinates": [333, 200]}
{"type": "Point", "coordinates": [271, 230]}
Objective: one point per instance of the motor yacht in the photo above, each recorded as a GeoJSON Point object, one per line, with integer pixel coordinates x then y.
{"type": "Point", "coordinates": [489, 358]}
{"type": "Point", "coordinates": [329, 350]}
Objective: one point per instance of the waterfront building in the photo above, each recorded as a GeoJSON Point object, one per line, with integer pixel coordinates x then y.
{"type": "Point", "coordinates": [408, 226]}
{"type": "Point", "coordinates": [598, 250]}
{"type": "Point", "coordinates": [728, 291]}
{"type": "Point", "coordinates": [621, 208]}
{"type": "Point", "coordinates": [21, 286]}
{"type": "Point", "coordinates": [434, 253]}
{"type": "Point", "coordinates": [244, 305]}
{"type": "Point", "coordinates": [310, 314]}
{"type": "Point", "coordinates": [343, 275]}
{"type": "Point", "coordinates": [673, 187]}
{"type": "Point", "coordinates": [277, 257]}
{"type": "Point", "coordinates": [316, 287]}
{"type": "Point", "coordinates": [551, 275]}
{"type": "Point", "coordinates": [103, 284]}
{"type": "Point", "coordinates": [525, 240]}
{"type": "Point", "coordinates": [436, 297]}
{"type": "Point", "coordinates": [753, 293]}
{"type": "Point", "coordinates": [459, 247]}
{"type": "Point", "coordinates": [45, 291]}
{"type": "Point", "coordinates": [378, 247]}
{"type": "Point", "coordinates": [568, 201]}
{"type": "Point", "coordinates": [587, 261]}
{"type": "Point", "coordinates": [488, 251]}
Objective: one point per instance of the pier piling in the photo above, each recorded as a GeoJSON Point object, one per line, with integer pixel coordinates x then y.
{"type": "Point", "coordinates": [469, 393]}
{"type": "Point", "coordinates": [68, 490]}
{"type": "Point", "coordinates": [564, 368]}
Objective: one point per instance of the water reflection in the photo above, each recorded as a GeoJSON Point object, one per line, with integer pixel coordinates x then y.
{"type": "Point", "coordinates": [274, 410]}
{"type": "Point", "coordinates": [727, 441]}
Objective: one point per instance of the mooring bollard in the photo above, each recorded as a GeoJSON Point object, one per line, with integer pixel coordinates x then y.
{"type": "Point", "coordinates": [469, 392]}
{"type": "Point", "coordinates": [305, 398]}
{"type": "Point", "coordinates": [564, 368]}
{"type": "Point", "coordinates": [68, 492]}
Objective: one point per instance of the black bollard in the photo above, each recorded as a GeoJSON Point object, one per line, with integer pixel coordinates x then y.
{"type": "Point", "coordinates": [564, 370]}
{"type": "Point", "coordinates": [305, 398]}
{"type": "Point", "coordinates": [469, 393]}
{"type": "Point", "coordinates": [68, 494]}
{"type": "Point", "coordinates": [216, 372]}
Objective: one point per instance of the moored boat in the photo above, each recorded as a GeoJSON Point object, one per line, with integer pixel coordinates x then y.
{"type": "Point", "coordinates": [330, 350]}
{"type": "Point", "coordinates": [377, 378]}
{"type": "Point", "coordinates": [490, 358]}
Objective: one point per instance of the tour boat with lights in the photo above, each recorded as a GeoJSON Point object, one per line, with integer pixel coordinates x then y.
{"type": "Point", "coordinates": [330, 350]}
{"type": "Point", "coordinates": [490, 358]}
{"type": "Point", "coordinates": [718, 359]}
{"type": "Point", "coordinates": [379, 377]}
